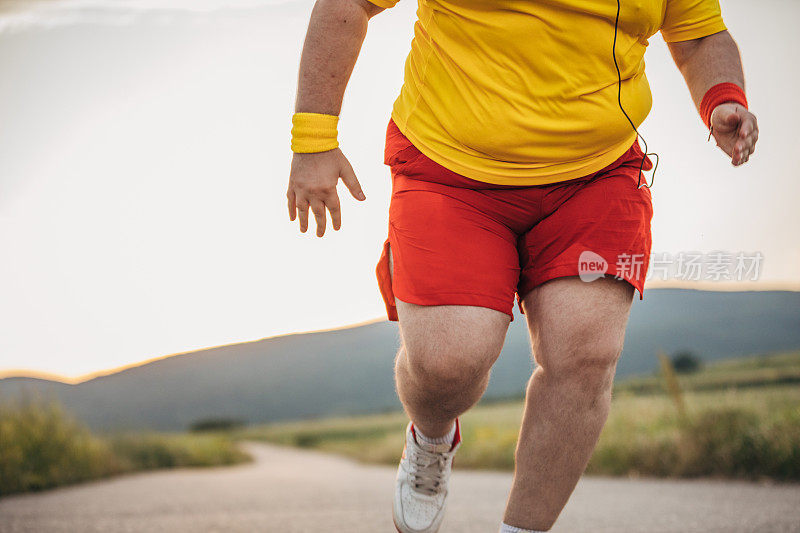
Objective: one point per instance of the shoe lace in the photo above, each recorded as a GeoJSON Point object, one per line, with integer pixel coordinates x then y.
{"type": "Point", "coordinates": [428, 474]}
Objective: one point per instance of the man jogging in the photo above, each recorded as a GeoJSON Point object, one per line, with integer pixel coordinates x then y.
{"type": "Point", "coordinates": [515, 171]}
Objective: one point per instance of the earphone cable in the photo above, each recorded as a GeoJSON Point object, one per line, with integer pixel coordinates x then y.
{"type": "Point", "coordinates": [639, 183]}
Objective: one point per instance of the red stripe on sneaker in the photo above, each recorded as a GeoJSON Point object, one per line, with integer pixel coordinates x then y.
{"type": "Point", "coordinates": [457, 437]}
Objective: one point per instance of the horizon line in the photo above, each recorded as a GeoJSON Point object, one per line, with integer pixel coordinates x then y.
{"type": "Point", "coordinates": [83, 378]}
{"type": "Point", "coordinates": [77, 380]}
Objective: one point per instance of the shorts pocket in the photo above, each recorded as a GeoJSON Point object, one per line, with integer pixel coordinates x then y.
{"type": "Point", "coordinates": [384, 275]}
{"type": "Point", "coordinates": [406, 155]}
{"type": "Point", "coordinates": [399, 149]}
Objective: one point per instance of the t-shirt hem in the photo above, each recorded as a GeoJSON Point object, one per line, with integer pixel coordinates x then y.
{"type": "Point", "coordinates": [523, 177]}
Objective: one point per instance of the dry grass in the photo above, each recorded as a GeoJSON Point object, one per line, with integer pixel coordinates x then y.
{"type": "Point", "coordinates": [738, 431]}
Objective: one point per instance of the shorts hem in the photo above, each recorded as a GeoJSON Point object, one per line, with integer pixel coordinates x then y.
{"type": "Point", "coordinates": [458, 298]}
{"type": "Point", "coordinates": [569, 270]}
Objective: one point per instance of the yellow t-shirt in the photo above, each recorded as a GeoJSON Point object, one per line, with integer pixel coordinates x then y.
{"type": "Point", "coordinates": [524, 92]}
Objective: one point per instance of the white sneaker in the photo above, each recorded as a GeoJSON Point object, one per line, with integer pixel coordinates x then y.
{"type": "Point", "coordinates": [421, 487]}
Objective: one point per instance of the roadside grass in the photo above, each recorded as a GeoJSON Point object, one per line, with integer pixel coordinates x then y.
{"type": "Point", "coordinates": [148, 451]}
{"type": "Point", "coordinates": [741, 420]}
{"type": "Point", "coordinates": [41, 446]}
{"type": "Point", "coordinates": [732, 427]}
{"type": "Point", "coordinates": [735, 433]}
{"type": "Point", "coordinates": [747, 372]}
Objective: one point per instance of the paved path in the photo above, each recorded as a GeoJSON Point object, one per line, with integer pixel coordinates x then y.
{"type": "Point", "coordinates": [289, 491]}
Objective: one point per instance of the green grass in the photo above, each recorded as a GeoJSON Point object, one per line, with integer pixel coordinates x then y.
{"type": "Point", "coordinates": [733, 428]}
{"type": "Point", "coordinates": [737, 433]}
{"type": "Point", "coordinates": [42, 447]}
{"type": "Point", "coordinates": [746, 372]}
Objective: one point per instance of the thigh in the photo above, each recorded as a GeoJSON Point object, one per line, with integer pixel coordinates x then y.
{"type": "Point", "coordinates": [570, 320]}
{"type": "Point", "coordinates": [464, 336]}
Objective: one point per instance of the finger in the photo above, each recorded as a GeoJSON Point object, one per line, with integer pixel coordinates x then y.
{"type": "Point", "coordinates": [351, 182]}
{"type": "Point", "coordinates": [748, 126]}
{"type": "Point", "coordinates": [745, 129]}
{"type": "Point", "coordinates": [749, 132]}
{"type": "Point", "coordinates": [746, 144]}
{"type": "Point", "coordinates": [332, 203]}
{"type": "Point", "coordinates": [318, 207]}
{"type": "Point", "coordinates": [736, 155]}
{"type": "Point", "coordinates": [290, 196]}
{"type": "Point", "coordinates": [302, 209]}
{"type": "Point", "coordinates": [751, 145]}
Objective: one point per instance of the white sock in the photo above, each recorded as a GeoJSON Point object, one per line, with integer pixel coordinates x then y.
{"type": "Point", "coordinates": [505, 528]}
{"type": "Point", "coordinates": [447, 439]}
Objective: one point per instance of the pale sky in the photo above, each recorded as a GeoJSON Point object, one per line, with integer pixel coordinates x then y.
{"type": "Point", "coordinates": [144, 158]}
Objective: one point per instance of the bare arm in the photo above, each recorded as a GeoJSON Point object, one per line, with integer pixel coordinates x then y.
{"type": "Point", "coordinates": [704, 63]}
{"type": "Point", "coordinates": [335, 33]}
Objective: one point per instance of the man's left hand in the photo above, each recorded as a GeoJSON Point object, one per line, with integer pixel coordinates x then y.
{"type": "Point", "coordinates": [735, 130]}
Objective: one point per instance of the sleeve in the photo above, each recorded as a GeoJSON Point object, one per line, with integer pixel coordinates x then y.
{"type": "Point", "coordinates": [690, 19]}
{"type": "Point", "coordinates": [384, 3]}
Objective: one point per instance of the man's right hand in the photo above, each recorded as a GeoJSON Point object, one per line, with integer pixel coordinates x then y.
{"type": "Point", "coordinates": [312, 184]}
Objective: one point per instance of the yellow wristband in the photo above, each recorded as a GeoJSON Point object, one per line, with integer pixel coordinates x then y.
{"type": "Point", "coordinates": [314, 132]}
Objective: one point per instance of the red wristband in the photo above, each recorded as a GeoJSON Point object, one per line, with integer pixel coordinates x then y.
{"type": "Point", "coordinates": [720, 94]}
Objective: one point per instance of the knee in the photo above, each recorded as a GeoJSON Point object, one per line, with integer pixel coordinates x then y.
{"type": "Point", "coordinates": [449, 368]}
{"type": "Point", "coordinates": [587, 365]}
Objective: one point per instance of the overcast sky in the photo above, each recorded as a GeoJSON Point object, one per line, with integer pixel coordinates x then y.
{"type": "Point", "coordinates": [144, 159]}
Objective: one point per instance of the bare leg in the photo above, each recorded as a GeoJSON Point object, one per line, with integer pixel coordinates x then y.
{"type": "Point", "coordinates": [577, 330]}
{"type": "Point", "coordinates": [443, 365]}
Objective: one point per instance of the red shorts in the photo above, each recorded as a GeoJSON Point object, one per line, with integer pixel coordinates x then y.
{"type": "Point", "coordinates": [458, 241]}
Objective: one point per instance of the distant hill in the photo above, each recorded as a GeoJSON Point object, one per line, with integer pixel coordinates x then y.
{"type": "Point", "coordinates": [349, 371]}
